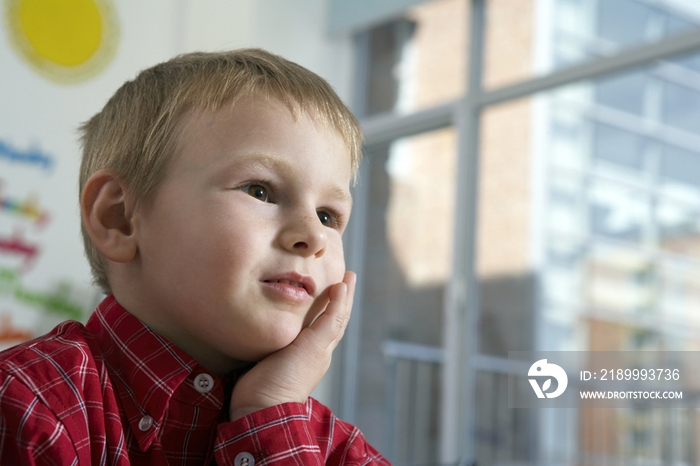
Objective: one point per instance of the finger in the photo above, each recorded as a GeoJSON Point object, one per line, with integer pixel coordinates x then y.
{"type": "Point", "coordinates": [317, 308]}
{"type": "Point", "coordinates": [351, 279]}
{"type": "Point", "coordinates": [329, 327]}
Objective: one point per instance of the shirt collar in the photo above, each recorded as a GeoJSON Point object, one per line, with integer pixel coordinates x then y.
{"type": "Point", "coordinates": [146, 370]}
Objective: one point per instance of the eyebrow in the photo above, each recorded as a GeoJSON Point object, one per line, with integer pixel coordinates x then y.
{"type": "Point", "coordinates": [258, 160]}
{"type": "Point", "coordinates": [342, 195]}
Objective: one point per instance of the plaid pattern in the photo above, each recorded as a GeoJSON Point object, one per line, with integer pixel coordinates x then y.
{"type": "Point", "coordinates": [114, 392]}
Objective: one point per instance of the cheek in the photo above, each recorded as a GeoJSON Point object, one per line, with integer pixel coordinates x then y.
{"type": "Point", "coordinates": [228, 248]}
{"type": "Point", "coordinates": [336, 263]}
{"type": "Point", "coordinates": [233, 229]}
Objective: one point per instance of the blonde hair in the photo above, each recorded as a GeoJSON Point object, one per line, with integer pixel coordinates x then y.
{"type": "Point", "coordinates": [136, 133]}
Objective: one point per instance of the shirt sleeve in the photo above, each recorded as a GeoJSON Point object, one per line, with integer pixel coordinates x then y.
{"type": "Point", "coordinates": [30, 433]}
{"type": "Point", "coordinates": [293, 433]}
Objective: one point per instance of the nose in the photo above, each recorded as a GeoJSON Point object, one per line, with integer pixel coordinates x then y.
{"type": "Point", "coordinates": [305, 235]}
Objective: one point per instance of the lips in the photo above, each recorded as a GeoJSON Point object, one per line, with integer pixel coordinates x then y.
{"type": "Point", "coordinates": [288, 282]}
{"type": "Point", "coordinates": [292, 284]}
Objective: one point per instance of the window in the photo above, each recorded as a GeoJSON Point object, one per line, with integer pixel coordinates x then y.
{"type": "Point", "coordinates": [532, 214]}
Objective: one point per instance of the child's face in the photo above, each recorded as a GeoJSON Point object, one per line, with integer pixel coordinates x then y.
{"type": "Point", "coordinates": [243, 238]}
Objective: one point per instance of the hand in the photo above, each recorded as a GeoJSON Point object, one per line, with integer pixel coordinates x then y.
{"type": "Point", "coordinates": [292, 373]}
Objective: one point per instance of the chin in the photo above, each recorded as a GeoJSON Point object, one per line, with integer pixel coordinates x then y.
{"type": "Point", "coordinates": [258, 354]}
{"type": "Point", "coordinates": [278, 337]}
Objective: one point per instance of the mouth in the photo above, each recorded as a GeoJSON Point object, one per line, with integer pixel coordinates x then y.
{"type": "Point", "coordinates": [293, 285]}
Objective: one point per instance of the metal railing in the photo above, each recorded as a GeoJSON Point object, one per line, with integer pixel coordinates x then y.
{"type": "Point", "coordinates": [412, 402]}
{"type": "Point", "coordinates": [503, 436]}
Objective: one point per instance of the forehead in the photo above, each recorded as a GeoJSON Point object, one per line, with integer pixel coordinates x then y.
{"type": "Point", "coordinates": [264, 133]}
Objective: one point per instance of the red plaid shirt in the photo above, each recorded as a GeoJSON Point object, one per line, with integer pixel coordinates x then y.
{"type": "Point", "coordinates": [114, 392]}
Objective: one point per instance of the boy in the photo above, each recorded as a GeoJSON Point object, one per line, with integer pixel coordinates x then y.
{"type": "Point", "coordinates": [214, 191]}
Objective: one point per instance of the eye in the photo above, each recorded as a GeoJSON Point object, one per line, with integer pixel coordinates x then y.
{"type": "Point", "coordinates": [258, 191]}
{"type": "Point", "coordinates": [328, 219]}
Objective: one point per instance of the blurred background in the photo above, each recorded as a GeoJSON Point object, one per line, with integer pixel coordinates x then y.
{"type": "Point", "coordinates": [531, 182]}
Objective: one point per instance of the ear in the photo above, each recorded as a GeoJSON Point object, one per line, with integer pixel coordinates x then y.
{"type": "Point", "coordinates": [108, 218]}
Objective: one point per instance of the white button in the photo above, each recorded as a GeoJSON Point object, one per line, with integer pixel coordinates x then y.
{"type": "Point", "coordinates": [145, 423]}
{"type": "Point", "coordinates": [244, 459]}
{"type": "Point", "coordinates": [203, 383]}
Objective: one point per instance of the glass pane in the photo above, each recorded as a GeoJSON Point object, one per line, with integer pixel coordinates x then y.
{"type": "Point", "coordinates": [680, 106]}
{"type": "Point", "coordinates": [419, 60]}
{"type": "Point", "coordinates": [565, 213]}
{"type": "Point", "coordinates": [690, 62]}
{"type": "Point", "coordinates": [508, 35]}
{"type": "Point", "coordinates": [680, 297]}
{"type": "Point", "coordinates": [619, 147]}
{"type": "Point", "coordinates": [679, 227]}
{"type": "Point", "coordinates": [623, 93]}
{"type": "Point", "coordinates": [639, 18]}
{"type": "Point", "coordinates": [524, 39]}
{"type": "Point", "coordinates": [681, 167]}
{"type": "Point", "coordinates": [618, 280]}
{"type": "Point", "coordinates": [568, 139]}
{"type": "Point", "coordinates": [617, 212]}
{"type": "Point", "coordinates": [503, 250]}
{"type": "Point", "coordinates": [409, 224]}
{"type": "Point", "coordinates": [588, 239]}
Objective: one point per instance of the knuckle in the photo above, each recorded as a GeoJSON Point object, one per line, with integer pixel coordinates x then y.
{"type": "Point", "coordinates": [341, 321]}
